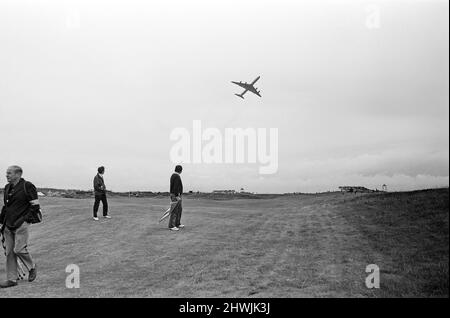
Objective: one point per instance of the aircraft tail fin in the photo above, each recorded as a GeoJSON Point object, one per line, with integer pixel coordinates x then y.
{"type": "Point", "coordinates": [239, 96]}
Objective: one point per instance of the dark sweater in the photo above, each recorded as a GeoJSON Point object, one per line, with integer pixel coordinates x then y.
{"type": "Point", "coordinates": [17, 205]}
{"type": "Point", "coordinates": [99, 185]}
{"type": "Point", "coordinates": [176, 186]}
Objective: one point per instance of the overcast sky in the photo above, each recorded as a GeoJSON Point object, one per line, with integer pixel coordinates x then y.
{"type": "Point", "coordinates": [89, 83]}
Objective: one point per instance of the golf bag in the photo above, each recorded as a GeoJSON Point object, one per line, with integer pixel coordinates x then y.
{"type": "Point", "coordinates": [35, 214]}
{"type": "Point", "coordinates": [169, 210]}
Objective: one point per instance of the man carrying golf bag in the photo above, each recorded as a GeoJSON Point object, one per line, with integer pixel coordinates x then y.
{"type": "Point", "coordinates": [21, 208]}
{"type": "Point", "coordinates": [176, 190]}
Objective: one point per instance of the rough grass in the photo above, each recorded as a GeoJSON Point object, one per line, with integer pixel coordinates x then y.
{"type": "Point", "coordinates": [288, 246]}
{"type": "Point", "coordinates": [411, 230]}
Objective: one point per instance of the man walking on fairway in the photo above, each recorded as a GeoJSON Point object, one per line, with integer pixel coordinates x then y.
{"type": "Point", "coordinates": [176, 190]}
{"type": "Point", "coordinates": [20, 200]}
{"type": "Point", "coordinates": [100, 194]}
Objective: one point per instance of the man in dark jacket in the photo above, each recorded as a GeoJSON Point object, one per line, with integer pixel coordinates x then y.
{"type": "Point", "coordinates": [100, 194]}
{"type": "Point", "coordinates": [176, 190]}
{"type": "Point", "coordinates": [20, 198]}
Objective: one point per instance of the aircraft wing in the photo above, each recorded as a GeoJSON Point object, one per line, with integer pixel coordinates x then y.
{"type": "Point", "coordinates": [243, 85]}
{"type": "Point", "coordinates": [256, 79]}
{"type": "Point", "coordinates": [255, 91]}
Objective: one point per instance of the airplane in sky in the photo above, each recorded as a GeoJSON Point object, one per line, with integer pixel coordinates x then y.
{"type": "Point", "coordinates": [248, 87]}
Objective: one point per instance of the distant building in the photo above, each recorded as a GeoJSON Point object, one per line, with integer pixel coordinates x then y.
{"type": "Point", "coordinates": [224, 191]}
{"type": "Point", "coordinates": [354, 189]}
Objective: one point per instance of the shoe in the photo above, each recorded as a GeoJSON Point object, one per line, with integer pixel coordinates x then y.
{"type": "Point", "coordinates": [32, 275]}
{"type": "Point", "coordinates": [8, 283]}
{"type": "Point", "coordinates": [95, 218]}
{"type": "Point", "coordinates": [106, 216]}
{"type": "Point", "coordinates": [181, 226]}
{"type": "Point", "coordinates": [174, 229]}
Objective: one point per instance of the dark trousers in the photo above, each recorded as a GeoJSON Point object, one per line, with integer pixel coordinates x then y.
{"type": "Point", "coordinates": [175, 216]}
{"type": "Point", "coordinates": [98, 198]}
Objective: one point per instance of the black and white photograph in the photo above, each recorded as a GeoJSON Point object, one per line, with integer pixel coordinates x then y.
{"type": "Point", "coordinates": [224, 152]}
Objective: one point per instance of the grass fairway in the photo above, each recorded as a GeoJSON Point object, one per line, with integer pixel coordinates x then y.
{"type": "Point", "coordinates": [289, 246]}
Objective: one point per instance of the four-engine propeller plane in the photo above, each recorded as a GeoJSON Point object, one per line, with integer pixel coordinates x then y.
{"type": "Point", "coordinates": [248, 87]}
